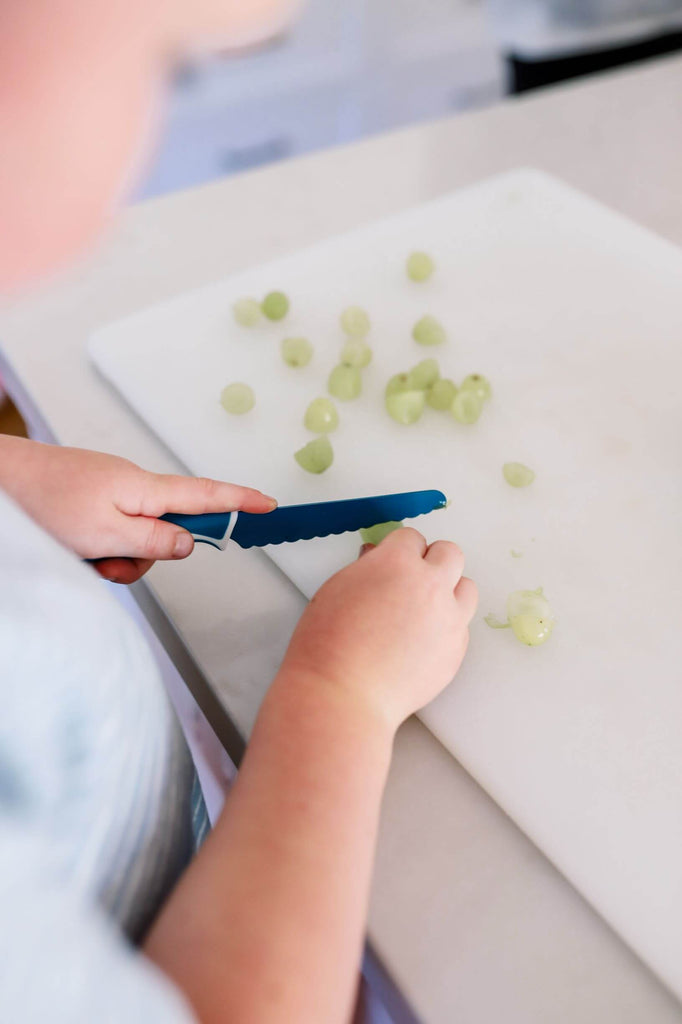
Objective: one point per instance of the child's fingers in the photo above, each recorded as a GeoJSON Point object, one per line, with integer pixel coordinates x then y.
{"type": "Point", "coordinates": [152, 539]}
{"type": "Point", "coordinates": [407, 538]}
{"type": "Point", "coordinates": [448, 557]}
{"type": "Point", "coordinates": [466, 593]}
{"type": "Point", "coordinates": [122, 570]}
{"type": "Point", "coordinates": [195, 495]}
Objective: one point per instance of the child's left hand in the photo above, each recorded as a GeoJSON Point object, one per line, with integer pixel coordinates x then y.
{"type": "Point", "coordinates": [106, 508]}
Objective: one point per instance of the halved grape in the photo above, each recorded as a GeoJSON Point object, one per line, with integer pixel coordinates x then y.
{"type": "Point", "coordinates": [398, 382]}
{"type": "Point", "coordinates": [355, 322]}
{"type": "Point", "coordinates": [424, 374]}
{"type": "Point", "coordinates": [419, 266]}
{"type": "Point", "coordinates": [495, 623]}
{"type": "Point", "coordinates": [375, 534]}
{"type": "Point", "coordinates": [237, 398]}
{"type": "Point", "coordinates": [275, 305]}
{"type": "Point", "coordinates": [517, 475]}
{"type": "Point", "coordinates": [429, 331]}
{"type": "Point", "coordinates": [296, 351]}
{"type": "Point", "coordinates": [479, 384]}
{"type": "Point", "coordinates": [466, 406]}
{"type": "Point", "coordinates": [530, 616]}
{"type": "Point", "coordinates": [321, 416]}
{"type": "Point", "coordinates": [405, 406]}
{"type": "Point", "coordinates": [441, 393]}
{"type": "Point", "coordinates": [247, 312]}
{"type": "Point", "coordinates": [356, 352]}
{"type": "Point", "coordinates": [345, 382]}
{"type": "Point", "coordinates": [315, 456]}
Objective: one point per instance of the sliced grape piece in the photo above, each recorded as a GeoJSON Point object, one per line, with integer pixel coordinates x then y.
{"type": "Point", "coordinates": [516, 554]}
{"type": "Point", "coordinates": [479, 384]}
{"type": "Point", "coordinates": [247, 312]}
{"type": "Point", "coordinates": [441, 393]}
{"type": "Point", "coordinates": [424, 374]}
{"type": "Point", "coordinates": [398, 382]}
{"type": "Point", "coordinates": [405, 406]}
{"type": "Point", "coordinates": [321, 416]}
{"type": "Point", "coordinates": [419, 266]}
{"type": "Point", "coordinates": [355, 322]}
{"type": "Point", "coordinates": [517, 475]}
{"type": "Point", "coordinates": [315, 456]}
{"type": "Point", "coordinates": [495, 623]}
{"type": "Point", "coordinates": [375, 534]}
{"type": "Point", "coordinates": [296, 351]}
{"type": "Point", "coordinates": [429, 331]}
{"type": "Point", "coordinates": [530, 616]}
{"type": "Point", "coordinates": [466, 406]}
{"type": "Point", "coordinates": [237, 398]}
{"type": "Point", "coordinates": [356, 352]}
{"type": "Point", "coordinates": [275, 305]}
{"type": "Point", "coordinates": [345, 382]}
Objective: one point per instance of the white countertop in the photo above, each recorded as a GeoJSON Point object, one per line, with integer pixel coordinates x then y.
{"type": "Point", "coordinates": [469, 918]}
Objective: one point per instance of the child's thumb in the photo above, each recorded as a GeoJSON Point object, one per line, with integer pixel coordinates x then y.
{"type": "Point", "coordinates": [144, 537]}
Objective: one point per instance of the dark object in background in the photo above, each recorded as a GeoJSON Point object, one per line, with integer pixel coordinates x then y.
{"type": "Point", "coordinates": [524, 75]}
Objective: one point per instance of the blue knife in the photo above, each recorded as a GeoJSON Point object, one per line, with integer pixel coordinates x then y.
{"type": "Point", "coordinates": [301, 522]}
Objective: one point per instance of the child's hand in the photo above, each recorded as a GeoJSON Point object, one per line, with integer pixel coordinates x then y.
{"type": "Point", "coordinates": [106, 508]}
{"type": "Point", "coordinates": [391, 629]}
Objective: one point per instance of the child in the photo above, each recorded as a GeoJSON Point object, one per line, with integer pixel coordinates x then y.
{"type": "Point", "coordinates": [101, 916]}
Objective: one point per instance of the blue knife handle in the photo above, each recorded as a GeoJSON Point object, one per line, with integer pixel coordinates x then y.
{"type": "Point", "coordinates": [209, 528]}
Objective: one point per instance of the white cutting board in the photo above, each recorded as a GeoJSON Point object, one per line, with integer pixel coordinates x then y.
{"type": "Point", "coordinates": [575, 314]}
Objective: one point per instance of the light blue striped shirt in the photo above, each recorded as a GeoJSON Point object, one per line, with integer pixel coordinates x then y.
{"type": "Point", "coordinates": [95, 794]}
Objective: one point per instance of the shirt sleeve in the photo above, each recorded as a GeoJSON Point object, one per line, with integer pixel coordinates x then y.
{"type": "Point", "coordinates": [61, 959]}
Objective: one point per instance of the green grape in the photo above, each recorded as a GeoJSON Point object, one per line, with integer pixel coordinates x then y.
{"type": "Point", "coordinates": [495, 623]}
{"type": "Point", "coordinates": [247, 312]}
{"type": "Point", "coordinates": [237, 398]}
{"type": "Point", "coordinates": [315, 456]}
{"type": "Point", "coordinates": [424, 374]}
{"type": "Point", "coordinates": [355, 322]}
{"type": "Point", "coordinates": [405, 406]}
{"type": "Point", "coordinates": [296, 351]}
{"type": "Point", "coordinates": [517, 475]}
{"type": "Point", "coordinates": [345, 382]}
{"type": "Point", "coordinates": [419, 266]}
{"type": "Point", "coordinates": [356, 352]}
{"type": "Point", "coordinates": [530, 616]}
{"type": "Point", "coordinates": [398, 382]}
{"type": "Point", "coordinates": [479, 385]}
{"type": "Point", "coordinates": [440, 394]}
{"type": "Point", "coordinates": [275, 305]}
{"type": "Point", "coordinates": [466, 406]}
{"type": "Point", "coordinates": [428, 331]}
{"type": "Point", "coordinates": [321, 416]}
{"type": "Point", "coordinates": [375, 534]}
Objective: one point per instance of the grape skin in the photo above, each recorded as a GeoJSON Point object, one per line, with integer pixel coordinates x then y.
{"type": "Point", "coordinates": [296, 351]}
{"type": "Point", "coordinates": [247, 312]}
{"type": "Point", "coordinates": [237, 398]}
{"type": "Point", "coordinates": [441, 394]}
{"type": "Point", "coordinates": [429, 331]}
{"type": "Point", "coordinates": [479, 384]}
{"type": "Point", "coordinates": [275, 305]}
{"type": "Point", "coordinates": [315, 456]}
{"type": "Point", "coordinates": [517, 475]}
{"type": "Point", "coordinates": [398, 382]}
{"type": "Point", "coordinates": [424, 375]}
{"type": "Point", "coordinates": [356, 352]}
{"type": "Point", "coordinates": [355, 322]}
{"type": "Point", "coordinates": [345, 382]}
{"type": "Point", "coordinates": [375, 534]}
{"type": "Point", "coordinates": [419, 266]}
{"type": "Point", "coordinates": [405, 406]}
{"type": "Point", "coordinates": [466, 407]}
{"type": "Point", "coordinates": [321, 416]}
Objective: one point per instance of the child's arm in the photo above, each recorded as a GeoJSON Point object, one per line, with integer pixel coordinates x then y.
{"type": "Point", "coordinates": [106, 508]}
{"type": "Point", "coordinates": [267, 924]}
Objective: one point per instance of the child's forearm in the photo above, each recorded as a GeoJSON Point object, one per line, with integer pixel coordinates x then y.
{"type": "Point", "coordinates": [267, 924]}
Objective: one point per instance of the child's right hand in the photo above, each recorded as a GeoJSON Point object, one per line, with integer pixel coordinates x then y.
{"type": "Point", "coordinates": [391, 629]}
